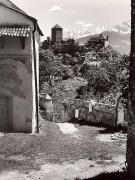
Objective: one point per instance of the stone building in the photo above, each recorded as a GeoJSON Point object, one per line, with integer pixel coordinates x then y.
{"type": "Point", "coordinates": [97, 41]}
{"type": "Point", "coordinates": [19, 81]}
{"type": "Point", "coordinates": [57, 34]}
{"type": "Point", "coordinates": [92, 58]}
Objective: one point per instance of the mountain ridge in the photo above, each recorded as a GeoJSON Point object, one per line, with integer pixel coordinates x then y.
{"type": "Point", "coordinates": [124, 28]}
{"type": "Point", "coordinates": [119, 41]}
{"type": "Point", "coordinates": [119, 35]}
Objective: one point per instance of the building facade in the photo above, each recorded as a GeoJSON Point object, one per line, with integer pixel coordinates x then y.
{"type": "Point", "coordinates": [19, 76]}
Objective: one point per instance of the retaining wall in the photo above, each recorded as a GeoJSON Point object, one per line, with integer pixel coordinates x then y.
{"type": "Point", "coordinates": [98, 113]}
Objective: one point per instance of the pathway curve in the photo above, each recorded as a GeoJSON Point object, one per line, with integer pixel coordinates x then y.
{"type": "Point", "coordinates": [67, 128]}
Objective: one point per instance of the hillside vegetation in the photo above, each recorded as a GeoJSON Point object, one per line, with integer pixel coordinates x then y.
{"type": "Point", "coordinates": [65, 76]}
{"type": "Point", "coordinates": [61, 91]}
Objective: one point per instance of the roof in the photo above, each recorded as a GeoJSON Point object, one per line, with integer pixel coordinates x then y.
{"type": "Point", "coordinates": [15, 30]}
{"type": "Point", "coordinates": [102, 36]}
{"type": "Point", "coordinates": [57, 27]}
{"type": "Point", "coordinates": [93, 39]}
{"type": "Point", "coordinates": [96, 37]}
{"type": "Point", "coordinates": [10, 5]}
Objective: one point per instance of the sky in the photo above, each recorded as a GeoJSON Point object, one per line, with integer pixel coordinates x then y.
{"type": "Point", "coordinates": [76, 14]}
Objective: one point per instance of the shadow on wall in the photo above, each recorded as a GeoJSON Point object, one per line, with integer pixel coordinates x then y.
{"type": "Point", "coordinates": [9, 79]}
{"type": "Point", "coordinates": [110, 176]}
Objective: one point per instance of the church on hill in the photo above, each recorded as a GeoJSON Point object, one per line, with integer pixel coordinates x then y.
{"type": "Point", "coordinates": [19, 72]}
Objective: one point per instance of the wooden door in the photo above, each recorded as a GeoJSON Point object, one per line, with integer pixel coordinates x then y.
{"type": "Point", "coordinates": [4, 113]}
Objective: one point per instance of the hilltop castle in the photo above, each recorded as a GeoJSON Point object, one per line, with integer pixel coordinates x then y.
{"type": "Point", "coordinates": [97, 41]}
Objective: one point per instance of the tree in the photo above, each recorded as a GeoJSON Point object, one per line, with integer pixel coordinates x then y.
{"type": "Point", "coordinates": [51, 68]}
{"type": "Point", "coordinates": [70, 47]}
{"type": "Point", "coordinates": [46, 44]}
{"type": "Point", "coordinates": [76, 70]}
{"type": "Point", "coordinates": [110, 77]}
{"type": "Point", "coordinates": [100, 82]}
{"type": "Point", "coordinates": [131, 102]}
{"type": "Point", "coordinates": [46, 66]}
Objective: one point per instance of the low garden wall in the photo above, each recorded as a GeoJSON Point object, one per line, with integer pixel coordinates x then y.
{"type": "Point", "coordinates": [98, 113]}
{"type": "Point", "coordinates": [80, 111]}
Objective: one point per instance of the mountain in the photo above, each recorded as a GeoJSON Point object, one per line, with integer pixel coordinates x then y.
{"type": "Point", "coordinates": [124, 28]}
{"type": "Point", "coordinates": [83, 32]}
{"type": "Point", "coordinates": [119, 35]}
{"type": "Point", "coordinates": [119, 41]}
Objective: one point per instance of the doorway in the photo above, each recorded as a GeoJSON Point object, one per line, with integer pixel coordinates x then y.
{"type": "Point", "coordinates": [5, 114]}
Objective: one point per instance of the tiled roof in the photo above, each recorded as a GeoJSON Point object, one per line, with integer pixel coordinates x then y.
{"type": "Point", "coordinates": [15, 30]}
{"type": "Point", "coordinates": [12, 6]}
{"type": "Point", "coordinates": [96, 37]}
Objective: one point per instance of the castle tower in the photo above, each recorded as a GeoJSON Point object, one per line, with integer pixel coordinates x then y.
{"type": "Point", "coordinates": [57, 34]}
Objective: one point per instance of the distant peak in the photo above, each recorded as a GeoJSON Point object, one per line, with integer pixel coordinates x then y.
{"type": "Point", "coordinates": [124, 27]}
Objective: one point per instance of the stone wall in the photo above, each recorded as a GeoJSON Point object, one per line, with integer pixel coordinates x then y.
{"type": "Point", "coordinates": [81, 111]}
{"type": "Point", "coordinates": [98, 113]}
{"type": "Point", "coordinates": [46, 106]}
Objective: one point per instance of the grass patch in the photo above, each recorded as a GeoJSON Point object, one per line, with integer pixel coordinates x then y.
{"type": "Point", "coordinates": [25, 152]}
